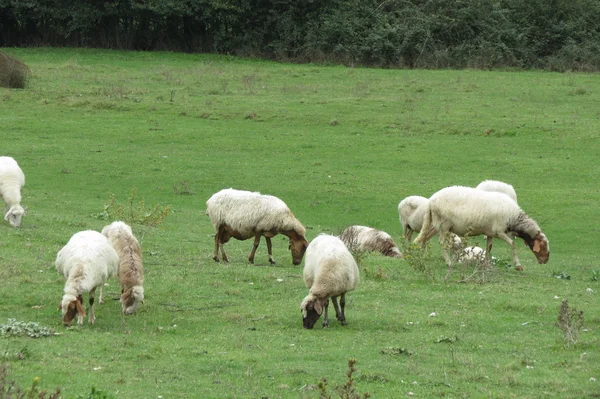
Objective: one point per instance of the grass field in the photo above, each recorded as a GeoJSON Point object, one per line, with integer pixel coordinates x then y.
{"type": "Point", "coordinates": [340, 146]}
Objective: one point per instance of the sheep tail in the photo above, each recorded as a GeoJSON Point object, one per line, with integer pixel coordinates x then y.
{"type": "Point", "coordinates": [427, 227]}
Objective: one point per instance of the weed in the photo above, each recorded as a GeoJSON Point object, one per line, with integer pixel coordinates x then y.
{"type": "Point", "coordinates": [249, 82]}
{"type": "Point", "coordinates": [595, 275]}
{"type": "Point", "coordinates": [95, 394]}
{"type": "Point", "coordinates": [14, 328]}
{"type": "Point", "coordinates": [10, 390]}
{"type": "Point", "coordinates": [419, 259]}
{"type": "Point", "coordinates": [570, 322]}
{"type": "Point", "coordinates": [345, 391]}
{"type": "Point", "coordinates": [135, 212]}
{"type": "Point", "coordinates": [396, 351]}
{"type": "Point", "coordinates": [14, 74]}
{"type": "Point", "coordinates": [182, 188]}
{"type": "Point", "coordinates": [334, 122]}
{"type": "Point", "coordinates": [561, 275]}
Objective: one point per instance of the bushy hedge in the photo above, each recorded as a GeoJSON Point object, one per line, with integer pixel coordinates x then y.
{"type": "Point", "coordinates": [551, 34]}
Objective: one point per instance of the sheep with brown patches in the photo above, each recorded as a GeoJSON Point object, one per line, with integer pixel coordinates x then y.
{"type": "Point", "coordinates": [86, 262]}
{"type": "Point", "coordinates": [363, 238]}
{"type": "Point", "coordinates": [131, 269]}
{"type": "Point", "coordinates": [470, 211]}
{"type": "Point", "coordinates": [243, 214]}
{"type": "Point", "coordinates": [12, 181]}
{"type": "Point", "coordinates": [329, 271]}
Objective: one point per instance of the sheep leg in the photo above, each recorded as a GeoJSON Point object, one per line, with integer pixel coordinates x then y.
{"type": "Point", "coordinates": [220, 242]}
{"type": "Point", "coordinates": [101, 298]}
{"type": "Point", "coordinates": [325, 318]}
{"type": "Point", "coordinates": [408, 233]}
{"type": "Point", "coordinates": [91, 315]}
{"type": "Point", "coordinates": [256, 242]}
{"type": "Point", "coordinates": [509, 241]}
{"type": "Point", "coordinates": [339, 311]}
{"type": "Point", "coordinates": [432, 231]}
{"type": "Point", "coordinates": [216, 251]}
{"type": "Point", "coordinates": [270, 250]}
{"type": "Point", "coordinates": [447, 258]}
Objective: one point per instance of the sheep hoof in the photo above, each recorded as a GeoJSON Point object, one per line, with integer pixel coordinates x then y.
{"type": "Point", "coordinates": [343, 322]}
{"type": "Point", "coordinates": [216, 259]}
{"type": "Point", "coordinates": [271, 261]}
{"type": "Point", "coordinates": [251, 260]}
{"type": "Point", "coordinates": [519, 268]}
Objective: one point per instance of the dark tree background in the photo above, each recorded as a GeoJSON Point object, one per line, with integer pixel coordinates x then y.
{"type": "Point", "coordinates": [550, 34]}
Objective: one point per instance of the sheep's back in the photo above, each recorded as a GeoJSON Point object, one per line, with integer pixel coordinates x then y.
{"type": "Point", "coordinates": [499, 187]}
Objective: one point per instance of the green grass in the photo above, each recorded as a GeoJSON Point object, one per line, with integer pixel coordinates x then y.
{"type": "Point", "coordinates": [340, 146]}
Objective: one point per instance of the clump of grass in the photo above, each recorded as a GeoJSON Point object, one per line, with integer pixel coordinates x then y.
{"type": "Point", "coordinates": [135, 212]}
{"type": "Point", "coordinates": [14, 74]}
{"type": "Point", "coordinates": [419, 259]}
{"type": "Point", "coordinates": [570, 322]}
{"type": "Point", "coordinates": [334, 122]}
{"type": "Point", "coordinates": [14, 328]}
{"type": "Point", "coordinates": [10, 390]}
{"type": "Point", "coordinates": [345, 391]}
{"type": "Point", "coordinates": [95, 394]}
{"type": "Point", "coordinates": [182, 188]}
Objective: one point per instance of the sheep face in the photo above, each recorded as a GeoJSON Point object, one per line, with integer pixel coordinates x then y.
{"type": "Point", "coordinates": [311, 311]}
{"type": "Point", "coordinates": [298, 248]}
{"type": "Point", "coordinates": [72, 309]}
{"type": "Point", "coordinates": [540, 247]}
{"type": "Point", "coordinates": [14, 214]}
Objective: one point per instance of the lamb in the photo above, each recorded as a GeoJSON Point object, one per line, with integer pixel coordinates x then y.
{"type": "Point", "coordinates": [86, 262]}
{"type": "Point", "coordinates": [329, 271]}
{"type": "Point", "coordinates": [412, 211]}
{"type": "Point", "coordinates": [470, 211]}
{"type": "Point", "coordinates": [244, 214]}
{"type": "Point", "coordinates": [364, 238]}
{"type": "Point", "coordinates": [471, 254]}
{"type": "Point", "coordinates": [131, 270]}
{"type": "Point", "coordinates": [499, 187]}
{"type": "Point", "coordinates": [12, 181]}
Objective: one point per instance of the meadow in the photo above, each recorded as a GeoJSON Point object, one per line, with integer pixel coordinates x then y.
{"type": "Point", "coordinates": [340, 146]}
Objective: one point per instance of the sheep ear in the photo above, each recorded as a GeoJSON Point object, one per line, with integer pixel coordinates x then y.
{"type": "Point", "coordinates": [7, 214]}
{"type": "Point", "coordinates": [536, 246]}
{"type": "Point", "coordinates": [80, 308]}
{"type": "Point", "coordinates": [318, 307]}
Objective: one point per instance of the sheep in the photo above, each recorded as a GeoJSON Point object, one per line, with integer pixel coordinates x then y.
{"type": "Point", "coordinates": [499, 187]}
{"type": "Point", "coordinates": [470, 211]}
{"type": "Point", "coordinates": [243, 214]}
{"type": "Point", "coordinates": [329, 271]}
{"type": "Point", "coordinates": [131, 269]}
{"type": "Point", "coordinates": [471, 254]}
{"type": "Point", "coordinates": [12, 181]}
{"type": "Point", "coordinates": [364, 238]}
{"type": "Point", "coordinates": [411, 211]}
{"type": "Point", "coordinates": [86, 262]}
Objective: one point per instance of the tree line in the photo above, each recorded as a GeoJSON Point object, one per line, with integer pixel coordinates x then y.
{"type": "Point", "coordinates": [548, 34]}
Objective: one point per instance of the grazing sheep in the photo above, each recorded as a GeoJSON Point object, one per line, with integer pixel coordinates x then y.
{"type": "Point", "coordinates": [131, 270]}
{"type": "Point", "coordinates": [12, 181]}
{"type": "Point", "coordinates": [412, 211]}
{"type": "Point", "coordinates": [364, 238]}
{"type": "Point", "coordinates": [469, 211]}
{"type": "Point", "coordinates": [86, 262]}
{"type": "Point", "coordinates": [329, 271]}
{"type": "Point", "coordinates": [244, 214]}
{"type": "Point", "coordinates": [498, 187]}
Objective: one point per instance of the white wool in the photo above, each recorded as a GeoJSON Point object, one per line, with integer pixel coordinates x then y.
{"type": "Point", "coordinates": [363, 238]}
{"type": "Point", "coordinates": [247, 212]}
{"type": "Point", "coordinates": [86, 262]}
{"type": "Point", "coordinates": [12, 181]}
{"type": "Point", "coordinates": [471, 254]}
{"type": "Point", "coordinates": [469, 211]}
{"type": "Point", "coordinates": [411, 211]}
{"type": "Point", "coordinates": [131, 270]}
{"type": "Point", "coordinates": [499, 187]}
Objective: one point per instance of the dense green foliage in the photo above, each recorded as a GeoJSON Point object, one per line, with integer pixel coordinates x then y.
{"type": "Point", "coordinates": [556, 35]}
{"type": "Point", "coordinates": [340, 146]}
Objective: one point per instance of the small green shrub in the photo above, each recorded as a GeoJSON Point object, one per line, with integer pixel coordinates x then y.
{"type": "Point", "coordinates": [345, 391]}
{"type": "Point", "coordinates": [14, 328]}
{"type": "Point", "coordinates": [14, 74]}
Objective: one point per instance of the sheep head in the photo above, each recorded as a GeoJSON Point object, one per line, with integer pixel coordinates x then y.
{"type": "Point", "coordinates": [311, 308]}
{"type": "Point", "coordinates": [298, 248]}
{"type": "Point", "coordinates": [14, 214]}
{"type": "Point", "coordinates": [540, 247]}
{"type": "Point", "coordinates": [70, 308]}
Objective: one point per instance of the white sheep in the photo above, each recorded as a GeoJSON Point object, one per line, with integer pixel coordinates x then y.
{"type": "Point", "coordinates": [329, 271]}
{"type": "Point", "coordinates": [86, 262]}
{"type": "Point", "coordinates": [363, 238]}
{"type": "Point", "coordinates": [469, 211]}
{"type": "Point", "coordinates": [244, 214]}
{"type": "Point", "coordinates": [131, 269]}
{"type": "Point", "coordinates": [12, 181]}
{"type": "Point", "coordinates": [411, 211]}
{"type": "Point", "coordinates": [498, 187]}
{"type": "Point", "coordinates": [471, 254]}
